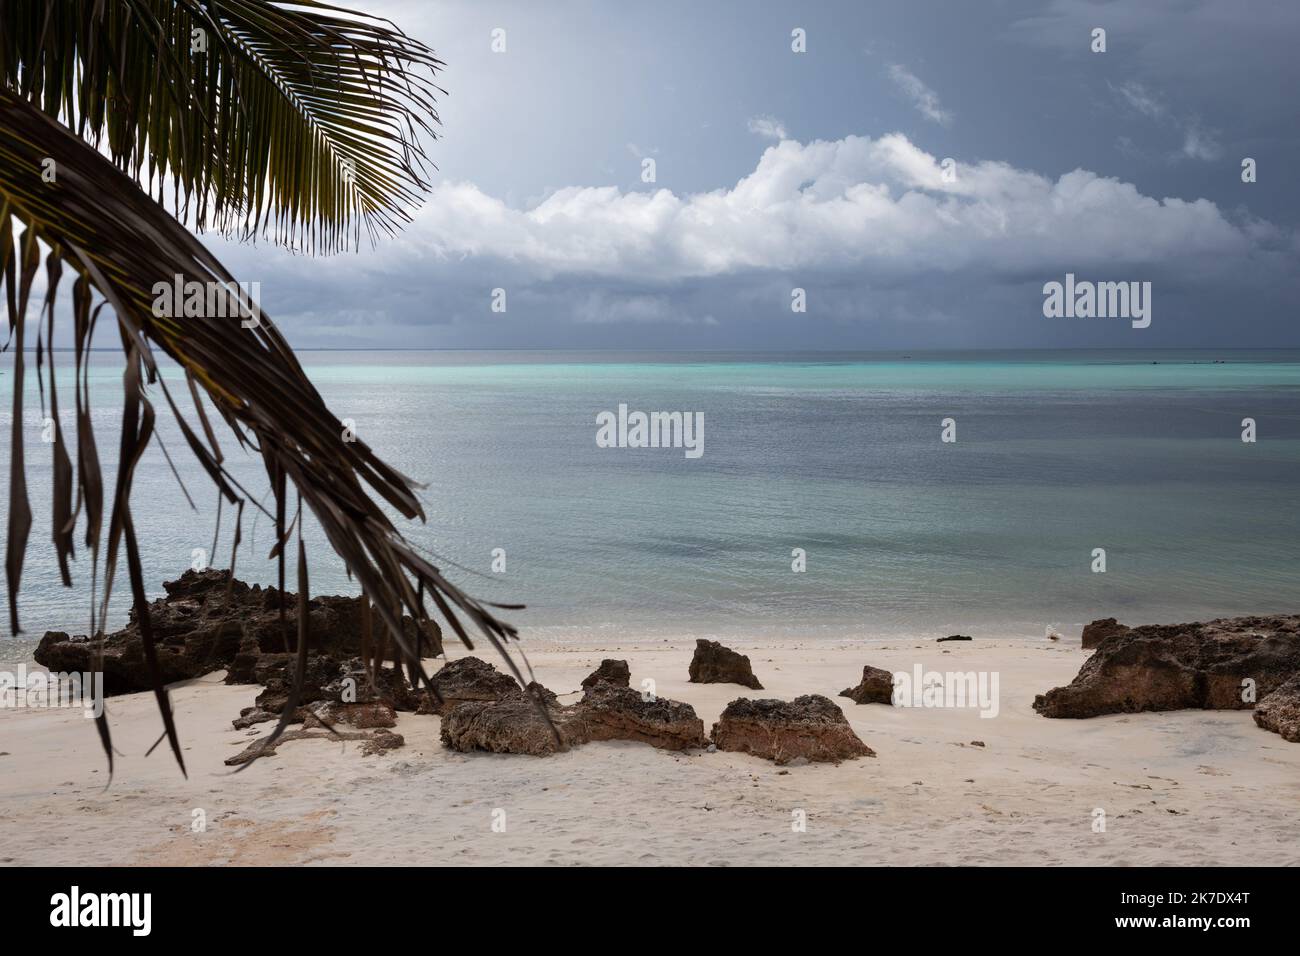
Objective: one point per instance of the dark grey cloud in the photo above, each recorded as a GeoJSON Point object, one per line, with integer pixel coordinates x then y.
{"type": "Point", "coordinates": [823, 170]}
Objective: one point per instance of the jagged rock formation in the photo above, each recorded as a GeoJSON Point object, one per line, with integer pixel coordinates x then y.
{"type": "Point", "coordinates": [199, 627]}
{"type": "Point", "coordinates": [1168, 667]}
{"type": "Point", "coordinates": [609, 672]}
{"type": "Point", "coordinates": [1280, 710]}
{"type": "Point", "coordinates": [466, 679]}
{"type": "Point", "coordinates": [876, 687]}
{"type": "Point", "coordinates": [331, 679]}
{"type": "Point", "coordinates": [1099, 630]}
{"type": "Point", "coordinates": [810, 728]}
{"type": "Point", "coordinates": [610, 712]}
{"type": "Point", "coordinates": [333, 690]}
{"type": "Point", "coordinates": [369, 716]}
{"type": "Point", "coordinates": [715, 664]}
{"type": "Point", "coordinates": [516, 724]}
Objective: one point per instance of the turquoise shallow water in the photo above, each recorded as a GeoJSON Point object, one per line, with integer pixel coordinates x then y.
{"type": "Point", "coordinates": [1056, 454]}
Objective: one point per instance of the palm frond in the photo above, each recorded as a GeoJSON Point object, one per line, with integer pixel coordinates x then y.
{"type": "Point", "coordinates": [99, 224]}
{"type": "Point", "coordinates": [293, 119]}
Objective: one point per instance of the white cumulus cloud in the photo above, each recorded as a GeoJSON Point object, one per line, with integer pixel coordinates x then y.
{"type": "Point", "coordinates": [876, 207]}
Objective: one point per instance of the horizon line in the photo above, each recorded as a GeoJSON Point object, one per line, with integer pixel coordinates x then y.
{"type": "Point", "coordinates": [926, 348]}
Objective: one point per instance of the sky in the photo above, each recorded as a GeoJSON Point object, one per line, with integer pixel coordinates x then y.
{"type": "Point", "coordinates": [824, 170]}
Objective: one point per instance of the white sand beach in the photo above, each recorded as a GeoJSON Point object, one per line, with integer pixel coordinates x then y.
{"type": "Point", "coordinates": [1182, 787]}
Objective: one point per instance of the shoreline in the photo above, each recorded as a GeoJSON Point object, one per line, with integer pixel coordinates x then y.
{"type": "Point", "coordinates": [622, 638]}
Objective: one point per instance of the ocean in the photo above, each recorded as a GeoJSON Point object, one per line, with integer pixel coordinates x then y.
{"type": "Point", "coordinates": [834, 461]}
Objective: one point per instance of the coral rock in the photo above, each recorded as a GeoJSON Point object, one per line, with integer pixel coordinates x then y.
{"type": "Point", "coordinates": [811, 728]}
{"type": "Point", "coordinates": [1280, 710]}
{"type": "Point", "coordinates": [715, 664]}
{"type": "Point", "coordinates": [609, 672]}
{"type": "Point", "coordinates": [466, 679]}
{"type": "Point", "coordinates": [876, 687]}
{"type": "Point", "coordinates": [1168, 667]}
{"type": "Point", "coordinates": [1099, 630]}
{"type": "Point", "coordinates": [609, 712]}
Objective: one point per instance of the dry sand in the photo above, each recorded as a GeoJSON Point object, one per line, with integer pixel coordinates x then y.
{"type": "Point", "coordinates": [1184, 787]}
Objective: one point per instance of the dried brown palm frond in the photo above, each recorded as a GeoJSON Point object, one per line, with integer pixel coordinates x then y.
{"type": "Point", "coordinates": [94, 220]}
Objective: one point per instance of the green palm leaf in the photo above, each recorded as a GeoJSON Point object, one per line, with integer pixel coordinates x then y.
{"type": "Point", "coordinates": [293, 119]}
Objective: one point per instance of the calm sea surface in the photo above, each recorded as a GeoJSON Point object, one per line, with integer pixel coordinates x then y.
{"type": "Point", "coordinates": [1056, 454]}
